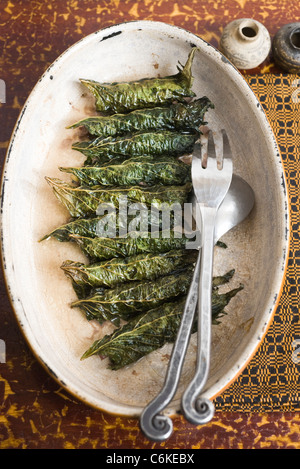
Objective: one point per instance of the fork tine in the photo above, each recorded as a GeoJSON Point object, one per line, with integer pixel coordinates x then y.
{"type": "Point", "coordinates": [211, 148]}
{"type": "Point", "coordinates": [227, 154]}
{"type": "Point", "coordinates": [208, 149]}
{"type": "Point", "coordinates": [226, 145]}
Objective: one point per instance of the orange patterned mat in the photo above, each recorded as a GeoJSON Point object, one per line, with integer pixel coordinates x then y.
{"type": "Point", "coordinates": [272, 379]}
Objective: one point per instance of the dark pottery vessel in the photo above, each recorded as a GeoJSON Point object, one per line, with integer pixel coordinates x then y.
{"type": "Point", "coordinates": [286, 47]}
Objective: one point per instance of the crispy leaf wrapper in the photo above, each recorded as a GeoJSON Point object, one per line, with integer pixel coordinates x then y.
{"type": "Point", "coordinates": [101, 248]}
{"type": "Point", "coordinates": [110, 224]}
{"type": "Point", "coordinates": [80, 227]}
{"type": "Point", "coordinates": [127, 300]}
{"type": "Point", "coordinates": [149, 331]}
{"type": "Point", "coordinates": [147, 170]}
{"type": "Point", "coordinates": [178, 116]}
{"type": "Point", "coordinates": [112, 272]}
{"type": "Point", "coordinates": [85, 201]}
{"type": "Point", "coordinates": [156, 143]}
{"type": "Point", "coordinates": [147, 92]}
{"type": "Point", "coordinates": [143, 334]}
{"type": "Point", "coordinates": [220, 301]}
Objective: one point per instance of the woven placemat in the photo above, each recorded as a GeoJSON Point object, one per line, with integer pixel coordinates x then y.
{"type": "Point", "coordinates": [271, 381]}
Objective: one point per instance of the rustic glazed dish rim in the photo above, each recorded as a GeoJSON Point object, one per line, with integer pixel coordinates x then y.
{"type": "Point", "coordinates": [225, 64]}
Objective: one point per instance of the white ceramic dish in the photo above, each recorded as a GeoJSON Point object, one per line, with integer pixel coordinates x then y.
{"type": "Point", "coordinates": [39, 291]}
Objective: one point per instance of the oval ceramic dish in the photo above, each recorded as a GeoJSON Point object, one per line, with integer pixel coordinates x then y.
{"type": "Point", "coordinates": [40, 292]}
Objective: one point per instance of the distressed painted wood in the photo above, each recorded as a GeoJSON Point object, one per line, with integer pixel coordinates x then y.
{"type": "Point", "coordinates": [35, 412]}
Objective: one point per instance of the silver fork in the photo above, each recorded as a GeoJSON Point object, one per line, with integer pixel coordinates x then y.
{"type": "Point", "coordinates": [154, 425]}
{"type": "Point", "coordinates": [211, 176]}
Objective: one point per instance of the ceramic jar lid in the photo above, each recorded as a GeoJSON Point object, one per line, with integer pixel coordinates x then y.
{"type": "Point", "coordinates": [286, 47]}
{"type": "Point", "coordinates": [246, 43]}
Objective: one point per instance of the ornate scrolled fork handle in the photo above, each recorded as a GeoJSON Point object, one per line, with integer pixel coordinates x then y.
{"type": "Point", "coordinates": [211, 181]}
{"type": "Point", "coordinates": [198, 410]}
{"type": "Point", "coordinates": [159, 427]}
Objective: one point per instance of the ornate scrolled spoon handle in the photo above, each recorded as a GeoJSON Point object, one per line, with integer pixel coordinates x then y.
{"type": "Point", "coordinates": [159, 427]}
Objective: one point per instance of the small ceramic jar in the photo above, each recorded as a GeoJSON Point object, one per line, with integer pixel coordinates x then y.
{"type": "Point", "coordinates": [246, 43]}
{"type": "Point", "coordinates": [286, 47]}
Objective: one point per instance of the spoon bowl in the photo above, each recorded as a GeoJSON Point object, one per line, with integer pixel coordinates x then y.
{"type": "Point", "coordinates": [235, 207]}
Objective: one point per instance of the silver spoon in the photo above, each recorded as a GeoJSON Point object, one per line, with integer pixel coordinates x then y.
{"type": "Point", "coordinates": [237, 204]}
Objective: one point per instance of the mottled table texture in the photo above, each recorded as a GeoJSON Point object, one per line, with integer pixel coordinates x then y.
{"type": "Point", "coordinates": [35, 412]}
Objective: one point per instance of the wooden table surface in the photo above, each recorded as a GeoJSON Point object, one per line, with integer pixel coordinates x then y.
{"type": "Point", "coordinates": [35, 412]}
